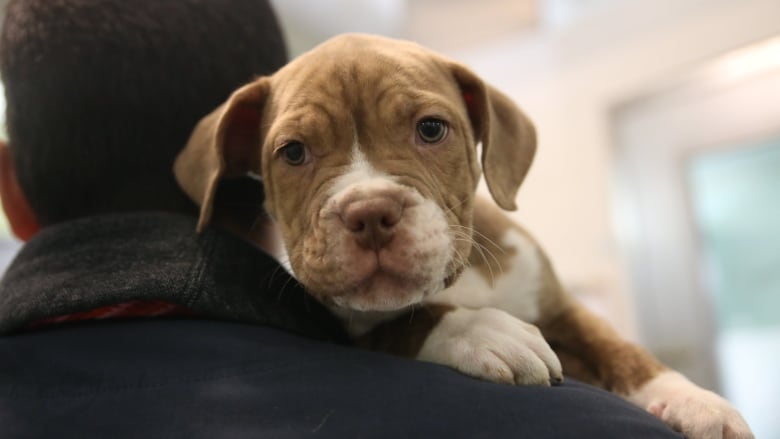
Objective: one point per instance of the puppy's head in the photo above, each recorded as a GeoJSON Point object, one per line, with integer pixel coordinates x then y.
{"type": "Point", "coordinates": [367, 148]}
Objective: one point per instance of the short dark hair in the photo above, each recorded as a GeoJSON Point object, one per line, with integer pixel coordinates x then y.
{"type": "Point", "coordinates": [102, 94]}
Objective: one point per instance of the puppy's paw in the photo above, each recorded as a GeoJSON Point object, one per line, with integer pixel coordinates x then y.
{"type": "Point", "coordinates": [491, 344]}
{"type": "Point", "coordinates": [691, 410]}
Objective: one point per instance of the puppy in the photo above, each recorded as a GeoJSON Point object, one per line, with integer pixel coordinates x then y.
{"type": "Point", "coordinates": [368, 152]}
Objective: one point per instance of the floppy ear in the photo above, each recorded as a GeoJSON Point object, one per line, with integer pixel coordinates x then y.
{"type": "Point", "coordinates": [508, 137]}
{"type": "Point", "coordinates": [226, 143]}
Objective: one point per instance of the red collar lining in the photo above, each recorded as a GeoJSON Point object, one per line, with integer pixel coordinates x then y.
{"type": "Point", "coordinates": [124, 310]}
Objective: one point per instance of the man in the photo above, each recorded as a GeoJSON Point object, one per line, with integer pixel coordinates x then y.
{"type": "Point", "coordinates": [119, 321]}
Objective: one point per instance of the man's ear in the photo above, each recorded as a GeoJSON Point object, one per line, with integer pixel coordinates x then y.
{"type": "Point", "coordinates": [21, 217]}
{"type": "Point", "coordinates": [508, 137]}
{"type": "Point", "coordinates": [226, 143]}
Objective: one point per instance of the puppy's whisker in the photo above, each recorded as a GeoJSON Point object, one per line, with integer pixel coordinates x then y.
{"type": "Point", "coordinates": [281, 290]}
{"type": "Point", "coordinates": [482, 250]}
{"type": "Point", "coordinates": [451, 209]}
{"type": "Point", "coordinates": [283, 263]}
{"type": "Point", "coordinates": [478, 234]}
{"type": "Point", "coordinates": [489, 241]}
{"type": "Point", "coordinates": [273, 275]}
{"type": "Point", "coordinates": [460, 234]}
{"type": "Point", "coordinates": [458, 256]}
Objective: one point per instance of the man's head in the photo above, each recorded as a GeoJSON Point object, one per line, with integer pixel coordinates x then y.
{"type": "Point", "coordinates": [103, 94]}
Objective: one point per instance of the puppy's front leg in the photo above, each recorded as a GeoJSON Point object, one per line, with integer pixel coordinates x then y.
{"type": "Point", "coordinates": [591, 351]}
{"type": "Point", "coordinates": [487, 343]}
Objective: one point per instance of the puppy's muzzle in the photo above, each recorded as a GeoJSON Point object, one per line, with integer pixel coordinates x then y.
{"type": "Point", "coordinates": [372, 220]}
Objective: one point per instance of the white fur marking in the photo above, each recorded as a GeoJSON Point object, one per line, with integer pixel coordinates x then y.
{"type": "Point", "coordinates": [360, 172]}
{"type": "Point", "coordinates": [516, 287]}
{"type": "Point", "coordinates": [420, 251]}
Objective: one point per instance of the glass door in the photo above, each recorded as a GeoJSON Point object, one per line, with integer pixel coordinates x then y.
{"type": "Point", "coordinates": [735, 196]}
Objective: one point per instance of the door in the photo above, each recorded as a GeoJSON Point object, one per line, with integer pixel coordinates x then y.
{"type": "Point", "coordinates": [698, 208]}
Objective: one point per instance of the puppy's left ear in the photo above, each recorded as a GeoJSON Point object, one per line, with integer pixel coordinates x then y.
{"type": "Point", "coordinates": [225, 143]}
{"type": "Point", "coordinates": [508, 137]}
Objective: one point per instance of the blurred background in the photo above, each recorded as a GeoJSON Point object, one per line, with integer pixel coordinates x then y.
{"type": "Point", "coordinates": [656, 186]}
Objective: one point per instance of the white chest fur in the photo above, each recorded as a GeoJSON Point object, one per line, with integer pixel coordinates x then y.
{"type": "Point", "coordinates": [515, 287]}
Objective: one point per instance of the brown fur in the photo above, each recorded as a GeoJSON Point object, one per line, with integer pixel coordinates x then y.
{"type": "Point", "coordinates": [590, 350]}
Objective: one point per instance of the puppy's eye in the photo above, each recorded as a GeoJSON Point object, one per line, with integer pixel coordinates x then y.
{"type": "Point", "coordinates": [431, 130]}
{"type": "Point", "coordinates": [294, 153]}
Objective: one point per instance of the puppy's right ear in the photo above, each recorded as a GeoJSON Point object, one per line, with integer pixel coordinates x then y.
{"type": "Point", "coordinates": [226, 143]}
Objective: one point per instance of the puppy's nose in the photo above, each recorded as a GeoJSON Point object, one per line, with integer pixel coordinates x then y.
{"type": "Point", "coordinates": [372, 221]}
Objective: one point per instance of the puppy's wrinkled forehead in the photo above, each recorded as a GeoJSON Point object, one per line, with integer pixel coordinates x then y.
{"type": "Point", "coordinates": [357, 83]}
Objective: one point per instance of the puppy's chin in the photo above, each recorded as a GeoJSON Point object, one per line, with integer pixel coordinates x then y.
{"type": "Point", "coordinates": [384, 292]}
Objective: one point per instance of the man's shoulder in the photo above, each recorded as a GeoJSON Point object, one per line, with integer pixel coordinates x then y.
{"type": "Point", "coordinates": [212, 379]}
{"type": "Point", "coordinates": [94, 262]}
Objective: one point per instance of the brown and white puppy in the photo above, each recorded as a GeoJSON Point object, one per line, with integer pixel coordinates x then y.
{"type": "Point", "coordinates": [367, 148]}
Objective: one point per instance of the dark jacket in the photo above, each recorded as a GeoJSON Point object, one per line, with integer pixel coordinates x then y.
{"type": "Point", "coordinates": [258, 358]}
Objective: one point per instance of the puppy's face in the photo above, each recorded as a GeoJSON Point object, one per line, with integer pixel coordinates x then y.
{"type": "Point", "coordinates": [367, 150]}
{"type": "Point", "coordinates": [369, 167]}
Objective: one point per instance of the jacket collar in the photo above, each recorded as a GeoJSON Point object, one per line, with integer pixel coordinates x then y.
{"type": "Point", "coordinates": [104, 260]}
